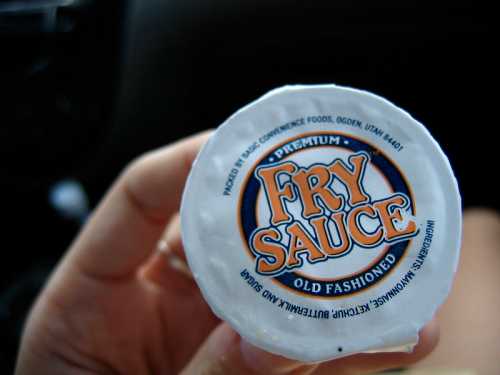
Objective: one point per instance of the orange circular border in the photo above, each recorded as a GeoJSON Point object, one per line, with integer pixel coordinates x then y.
{"type": "Point", "coordinates": [242, 234]}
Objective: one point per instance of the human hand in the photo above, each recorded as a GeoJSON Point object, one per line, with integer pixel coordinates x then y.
{"type": "Point", "coordinates": [115, 305]}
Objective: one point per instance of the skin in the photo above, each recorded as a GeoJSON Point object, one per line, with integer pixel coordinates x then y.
{"type": "Point", "coordinates": [122, 302]}
{"type": "Point", "coordinates": [470, 331]}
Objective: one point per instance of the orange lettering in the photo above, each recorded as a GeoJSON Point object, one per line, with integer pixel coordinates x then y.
{"type": "Point", "coordinates": [271, 255]}
{"type": "Point", "coordinates": [325, 241]}
{"type": "Point", "coordinates": [300, 242]}
{"type": "Point", "coordinates": [311, 192]}
{"type": "Point", "coordinates": [389, 211]}
{"type": "Point", "coordinates": [357, 233]}
{"type": "Point", "coordinates": [352, 178]}
{"type": "Point", "coordinates": [275, 193]}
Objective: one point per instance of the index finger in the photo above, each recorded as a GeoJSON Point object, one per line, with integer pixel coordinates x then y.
{"type": "Point", "coordinates": [128, 222]}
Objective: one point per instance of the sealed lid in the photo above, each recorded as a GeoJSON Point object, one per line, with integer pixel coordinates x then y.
{"type": "Point", "coordinates": [322, 221]}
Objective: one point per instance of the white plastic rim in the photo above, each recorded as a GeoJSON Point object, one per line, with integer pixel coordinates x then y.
{"type": "Point", "coordinates": [322, 221]}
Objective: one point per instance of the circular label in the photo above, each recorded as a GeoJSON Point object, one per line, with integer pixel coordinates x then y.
{"type": "Point", "coordinates": [326, 215]}
{"type": "Point", "coordinates": [317, 214]}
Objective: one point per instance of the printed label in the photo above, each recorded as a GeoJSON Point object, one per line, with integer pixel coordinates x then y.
{"type": "Point", "coordinates": [326, 214]}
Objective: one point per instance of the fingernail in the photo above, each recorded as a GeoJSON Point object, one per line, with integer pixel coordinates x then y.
{"type": "Point", "coordinates": [179, 265]}
{"type": "Point", "coordinates": [162, 246]}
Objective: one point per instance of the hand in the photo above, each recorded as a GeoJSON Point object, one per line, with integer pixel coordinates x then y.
{"type": "Point", "coordinates": [114, 305]}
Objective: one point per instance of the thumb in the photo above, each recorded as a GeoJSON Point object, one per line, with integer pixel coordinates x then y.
{"type": "Point", "coordinates": [225, 352]}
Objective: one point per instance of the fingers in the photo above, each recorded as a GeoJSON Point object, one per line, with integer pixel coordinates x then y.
{"type": "Point", "coordinates": [129, 221]}
{"type": "Point", "coordinates": [224, 352]}
{"type": "Point", "coordinates": [167, 267]}
{"type": "Point", "coordinates": [371, 363]}
{"type": "Point", "coordinates": [171, 242]}
{"type": "Point", "coordinates": [470, 329]}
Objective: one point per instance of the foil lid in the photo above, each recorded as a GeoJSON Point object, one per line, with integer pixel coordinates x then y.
{"type": "Point", "coordinates": [322, 221]}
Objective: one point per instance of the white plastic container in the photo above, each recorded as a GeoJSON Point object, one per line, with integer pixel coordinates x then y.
{"type": "Point", "coordinates": [322, 221]}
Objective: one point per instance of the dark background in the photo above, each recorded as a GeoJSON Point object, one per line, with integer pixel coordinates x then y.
{"type": "Point", "coordinates": [87, 86]}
